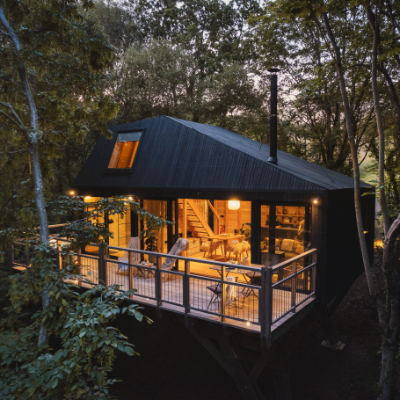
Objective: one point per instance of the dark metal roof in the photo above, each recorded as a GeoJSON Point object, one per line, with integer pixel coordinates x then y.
{"type": "Point", "coordinates": [182, 155]}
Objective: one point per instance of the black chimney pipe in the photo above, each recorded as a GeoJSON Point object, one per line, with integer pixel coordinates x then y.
{"type": "Point", "coordinates": [273, 119]}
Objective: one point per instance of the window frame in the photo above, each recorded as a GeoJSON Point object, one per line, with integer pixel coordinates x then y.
{"type": "Point", "coordinates": [114, 141]}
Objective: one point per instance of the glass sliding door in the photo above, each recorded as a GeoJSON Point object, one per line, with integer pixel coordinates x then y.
{"type": "Point", "coordinates": [285, 232]}
{"type": "Point", "coordinates": [156, 240]}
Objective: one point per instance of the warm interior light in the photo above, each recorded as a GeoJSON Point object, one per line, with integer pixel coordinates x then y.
{"type": "Point", "coordinates": [378, 243]}
{"type": "Point", "coordinates": [87, 197]}
{"type": "Point", "coordinates": [365, 232]}
{"type": "Point", "coordinates": [234, 204]}
{"type": "Point", "coordinates": [130, 198]}
{"type": "Point", "coordinates": [71, 192]}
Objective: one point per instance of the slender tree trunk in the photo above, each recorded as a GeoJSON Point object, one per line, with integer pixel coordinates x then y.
{"type": "Point", "coordinates": [354, 156]}
{"type": "Point", "coordinates": [378, 115]}
{"type": "Point", "coordinates": [33, 136]}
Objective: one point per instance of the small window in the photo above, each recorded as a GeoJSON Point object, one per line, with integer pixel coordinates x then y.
{"type": "Point", "coordinates": [125, 150]}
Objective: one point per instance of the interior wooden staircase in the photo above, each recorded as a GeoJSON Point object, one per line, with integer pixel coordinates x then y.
{"type": "Point", "coordinates": [196, 222]}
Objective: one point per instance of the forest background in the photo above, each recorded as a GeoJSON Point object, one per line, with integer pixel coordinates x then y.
{"type": "Point", "coordinates": [205, 61]}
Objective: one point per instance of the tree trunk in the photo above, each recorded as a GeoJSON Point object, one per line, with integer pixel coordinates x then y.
{"type": "Point", "coordinates": [33, 136]}
{"type": "Point", "coordinates": [354, 156]}
{"type": "Point", "coordinates": [378, 115]}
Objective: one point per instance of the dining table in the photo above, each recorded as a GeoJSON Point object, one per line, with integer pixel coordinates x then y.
{"type": "Point", "coordinates": [225, 239]}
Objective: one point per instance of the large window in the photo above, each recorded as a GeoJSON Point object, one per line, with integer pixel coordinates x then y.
{"type": "Point", "coordinates": [285, 232]}
{"type": "Point", "coordinates": [125, 150]}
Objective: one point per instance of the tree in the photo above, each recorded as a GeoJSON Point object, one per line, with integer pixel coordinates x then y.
{"type": "Point", "coordinates": [49, 84]}
{"type": "Point", "coordinates": [81, 342]}
{"type": "Point", "coordinates": [189, 61]}
{"type": "Point", "coordinates": [331, 20]}
{"type": "Point", "coordinates": [313, 114]}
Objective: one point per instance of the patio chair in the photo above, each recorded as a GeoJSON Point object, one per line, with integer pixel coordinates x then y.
{"type": "Point", "coordinates": [180, 245]}
{"type": "Point", "coordinates": [217, 290]}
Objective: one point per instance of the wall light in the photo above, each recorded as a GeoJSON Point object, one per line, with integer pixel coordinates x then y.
{"type": "Point", "coordinates": [233, 204]}
{"type": "Point", "coordinates": [71, 192]}
{"type": "Point", "coordinates": [316, 201]}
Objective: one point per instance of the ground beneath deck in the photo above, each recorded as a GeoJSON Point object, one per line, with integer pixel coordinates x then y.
{"type": "Point", "coordinates": [173, 365]}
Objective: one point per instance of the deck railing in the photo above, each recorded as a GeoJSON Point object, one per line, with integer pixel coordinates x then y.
{"type": "Point", "coordinates": [242, 296]}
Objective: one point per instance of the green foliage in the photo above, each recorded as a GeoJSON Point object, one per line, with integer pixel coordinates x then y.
{"type": "Point", "coordinates": [189, 60]}
{"type": "Point", "coordinates": [82, 341]}
{"type": "Point", "coordinates": [78, 367]}
{"type": "Point", "coordinates": [67, 59]}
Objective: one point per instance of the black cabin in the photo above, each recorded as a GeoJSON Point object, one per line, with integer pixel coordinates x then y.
{"type": "Point", "coordinates": [216, 184]}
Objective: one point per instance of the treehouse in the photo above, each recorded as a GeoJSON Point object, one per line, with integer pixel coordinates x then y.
{"type": "Point", "coordinates": [267, 239]}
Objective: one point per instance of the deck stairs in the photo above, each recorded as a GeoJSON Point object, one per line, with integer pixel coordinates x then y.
{"type": "Point", "coordinates": [196, 221]}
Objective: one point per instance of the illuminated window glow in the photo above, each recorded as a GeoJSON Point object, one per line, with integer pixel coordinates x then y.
{"type": "Point", "coordinates": [125, 150]}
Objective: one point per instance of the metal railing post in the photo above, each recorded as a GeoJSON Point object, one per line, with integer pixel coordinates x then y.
{"type": "Point", "coordinates": [223, 294]}
{"type": "Point", "coordinates": [158, 283]}
{"type": "Point", "coordinates": [262, 303]}
{"type": "Point", "coordinates": [268, 306]}
{"type": "Point", "coordinates": [102, 275]}
{"type": "Point", "coordinates": [186, 290]}
{"type": "Point", "coordinates": [314, 274]}
{"type": "Point", "coordinates": [293, 286]}
{"type": "Point", "coordinates": [130, 261]}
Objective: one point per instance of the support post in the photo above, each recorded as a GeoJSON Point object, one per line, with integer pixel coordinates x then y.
{"type": "Point", "coordinates": [293, 286]}
{"type": "Point", "coordinates": [130, 262]}
{"type": "Point", "coordinates": [314, 274]}
{"type": "Point", "coordinates": [184, 221]}
{"type": "Point", "coordinates": [268, 306]}
{"type": "Point", "coordinates": [186, 291]}
{"type": "Point", "coordinates": [158, 283]}
{"type": "Point", "coordinates": [223, 300]}
{"type": "Point", "coordinates": [105, 270]}
{"type": "Point", "coordinates": [170, 237]}
{"type": "Point", "coordinates": [176, 220]}
{"type": "Point", "coordinates": [101, 269]}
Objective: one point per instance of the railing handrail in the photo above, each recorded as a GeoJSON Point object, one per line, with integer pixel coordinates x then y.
{"type": "Point", "coordinates": [292, 260]}
{"type": "Point", "coordinates": [198, 260]}
{"type": "Point", "coordinates": [265, 289]}
{"type": "Point", "coordinates": [213, 209]}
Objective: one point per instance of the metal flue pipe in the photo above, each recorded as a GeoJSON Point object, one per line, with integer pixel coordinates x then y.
{"type": "Point", "coordinates": [273, 119]}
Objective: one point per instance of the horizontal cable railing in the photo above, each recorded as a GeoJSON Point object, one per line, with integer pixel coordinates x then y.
{"type": "Point", "coordinates": [239, 295]}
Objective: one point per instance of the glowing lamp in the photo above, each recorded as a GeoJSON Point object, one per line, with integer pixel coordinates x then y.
{"type": "Point", "coordinates": [316, 201]}
{"type": "Point", "coordinates": [130, 198]}
{"type": "Point", "coordinates": [71, 192]}
{"type": "Point", "coordinates": [234, 204]}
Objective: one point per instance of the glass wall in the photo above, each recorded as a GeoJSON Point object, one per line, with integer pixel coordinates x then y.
{"type": "Point", "coordinates": [120, 226]}
{"type": "Point", "coordinates": [156, 240]}
{"type": "Point", "coordinates": [285, 232]}
{"type": "Point", "coordinates": [216, 229]}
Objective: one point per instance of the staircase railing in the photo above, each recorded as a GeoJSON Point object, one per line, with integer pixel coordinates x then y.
{"type": "Point", "coordinates": [217, 219]}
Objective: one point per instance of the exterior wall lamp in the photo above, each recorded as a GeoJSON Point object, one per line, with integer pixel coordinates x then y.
{"type": "Point", "coordinates": [316, 201]}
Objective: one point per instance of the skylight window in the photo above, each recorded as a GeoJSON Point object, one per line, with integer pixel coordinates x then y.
{"type": "Point", "coordinates": [125, 150]}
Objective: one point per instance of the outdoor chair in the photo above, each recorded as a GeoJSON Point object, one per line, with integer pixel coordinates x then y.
{"type": "Point", "coordinates": [254, 279]}
{"type": "Point", "coordinates": [217, 290]}
{"type": "Point", "coordinates": [180, 245]}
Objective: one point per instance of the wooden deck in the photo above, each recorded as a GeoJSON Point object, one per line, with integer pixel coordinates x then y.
{"type": "Point", "coordinates": [240, 308]}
